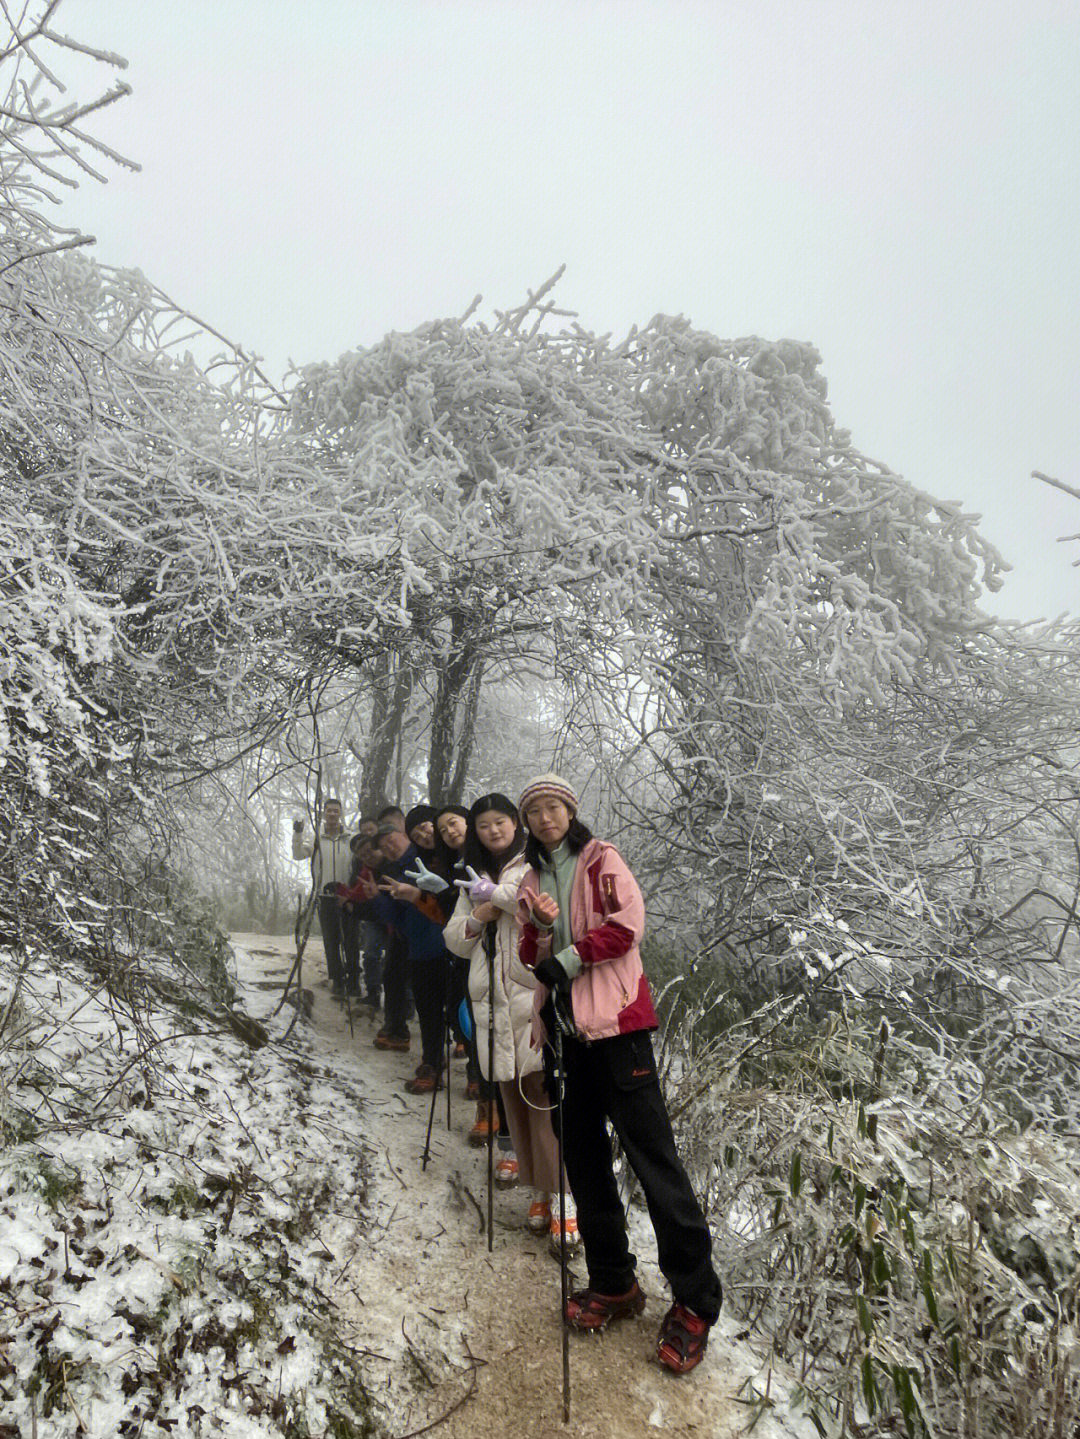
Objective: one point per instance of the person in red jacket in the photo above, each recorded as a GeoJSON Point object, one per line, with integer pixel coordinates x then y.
{"type": "Point", "coordinates": [583, 918]}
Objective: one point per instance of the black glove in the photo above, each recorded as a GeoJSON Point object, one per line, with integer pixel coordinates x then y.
{"type": "Point", "coordinates": [550, 972]}
{"type": "Point", "coordinates": [563, 1011]}
{"type": "Point", "coordinates": [558, 1011]}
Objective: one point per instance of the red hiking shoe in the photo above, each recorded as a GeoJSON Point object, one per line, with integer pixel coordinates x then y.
{"type": "Point", "coordinates": [591, 1312]}
{"type": "Point", "coordinates": [683, 1339]}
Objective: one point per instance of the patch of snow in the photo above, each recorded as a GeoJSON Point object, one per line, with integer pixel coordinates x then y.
{"type": "Point", "coordinates": [199, 1239]}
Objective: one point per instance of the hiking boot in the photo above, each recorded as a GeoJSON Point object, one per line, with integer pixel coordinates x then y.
{"type": "Point", "coordinates": [487, 1122]}
{"type": "Point", "coordinates": [573, 1234]}
{"type": "Point", "coordinates": [506, 1172]}
{"type": "Point", "coordinates": [391, 1041]}
{"type": "Point", "coordinates": [591, 1312]}
{"type": "Point", "coordinates": [424, 1081]}
{"type": "Point", "coordinates": [683, 1339]}
{"type": "Point", "coordinates": [539, 1216]}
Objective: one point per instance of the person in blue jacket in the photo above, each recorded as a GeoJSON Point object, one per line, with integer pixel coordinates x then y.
{"type": "Point", "coordinates": [427, 957]}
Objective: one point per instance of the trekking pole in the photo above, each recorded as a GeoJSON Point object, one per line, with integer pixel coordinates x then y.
{"type": "Point", "coordinates": [563, 1262]}
{"type": "Point", "coordinates": [449, 1053]}
{"type": "Point", "coordinates": [493, 1107]}
{"type": "Point", "coordinates": [435, 1091]}
{"type": "Point", "coordinates": [430, 1122]}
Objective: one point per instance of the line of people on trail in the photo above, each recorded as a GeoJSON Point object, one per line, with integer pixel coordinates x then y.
{"type": "Point", "coordinates": [516, 927]}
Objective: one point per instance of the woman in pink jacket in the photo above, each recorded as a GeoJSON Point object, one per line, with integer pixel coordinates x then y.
{"type": "Point", "coordinates": [583, 919]}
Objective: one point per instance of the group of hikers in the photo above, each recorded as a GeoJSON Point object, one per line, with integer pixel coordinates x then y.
{"type": "Point", "coordinates": [515, 929]}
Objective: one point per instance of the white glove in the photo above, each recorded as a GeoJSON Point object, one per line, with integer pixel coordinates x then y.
{"type": "Point", "coordinates": [425, 878]}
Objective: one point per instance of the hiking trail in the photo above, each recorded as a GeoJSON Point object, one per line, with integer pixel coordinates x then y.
{"type": "Point", "coordinates": [464, 1344]}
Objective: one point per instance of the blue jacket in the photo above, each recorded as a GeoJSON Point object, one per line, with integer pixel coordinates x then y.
{"type": "Point", "coordinates": [423, 937]}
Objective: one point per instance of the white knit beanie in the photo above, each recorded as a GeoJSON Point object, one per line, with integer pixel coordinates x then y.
{"type": "Point", "coordinates": [549, 784]}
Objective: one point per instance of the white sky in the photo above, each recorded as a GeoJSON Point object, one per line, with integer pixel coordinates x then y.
{"type": "Point", "coordinates": [898, 183]}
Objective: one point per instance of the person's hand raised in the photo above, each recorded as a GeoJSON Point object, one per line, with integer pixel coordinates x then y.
{"type": "Point", "coordinates": [545, 908]}
{"type": "Point", "coordinates": [478, 887]}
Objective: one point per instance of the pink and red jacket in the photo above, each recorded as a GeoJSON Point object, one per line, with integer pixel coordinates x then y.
{"type": "Point", "coordinates": [607, 919]}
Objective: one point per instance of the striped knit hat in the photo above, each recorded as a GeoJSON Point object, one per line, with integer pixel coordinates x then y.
{"type": "Point", "coordinates": [551, 785]}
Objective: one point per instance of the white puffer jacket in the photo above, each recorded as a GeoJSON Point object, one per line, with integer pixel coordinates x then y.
{"type": "Point", "coordinates": [514, 984]}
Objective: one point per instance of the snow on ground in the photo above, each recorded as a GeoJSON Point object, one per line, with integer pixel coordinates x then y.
{"type": "Point", "coordinates": [215, 1240]}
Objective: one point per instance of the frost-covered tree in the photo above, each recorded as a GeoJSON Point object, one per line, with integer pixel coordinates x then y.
{"type": "Point", "coordinates": [122, 625]}
{"type": "Point", "coordinates": [531, 490]}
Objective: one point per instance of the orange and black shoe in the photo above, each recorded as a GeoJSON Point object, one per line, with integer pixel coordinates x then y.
{"type": "Point", "coordinates": [683, 1339]}
{"type": "Point", "coordinates": [384, 1040]}
{"type": "Point", "coordinates": [486, 1126]}
{"type": "Point", "coordinates": [424, 1081]}
{"type": "Point", "coordinates": [592, 1312]}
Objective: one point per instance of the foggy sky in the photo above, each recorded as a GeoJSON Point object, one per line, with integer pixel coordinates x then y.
{"type": "Point", "coordinates": [896, 183]}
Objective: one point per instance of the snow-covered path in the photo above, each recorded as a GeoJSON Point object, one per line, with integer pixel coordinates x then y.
{"type": "Point", "coordinates": [468, 1342]}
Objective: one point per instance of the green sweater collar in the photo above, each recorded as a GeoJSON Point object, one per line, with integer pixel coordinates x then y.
{"type": "Point", "coordinates": [557, 879]}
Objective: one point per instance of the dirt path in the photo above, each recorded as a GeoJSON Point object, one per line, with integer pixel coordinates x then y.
{"type": "Point", "coordinates": [469, 1341]}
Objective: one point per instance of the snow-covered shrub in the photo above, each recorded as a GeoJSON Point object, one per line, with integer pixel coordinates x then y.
{"type": "Point", "coordinates": [881, 1215]}
{"type": "Point", "coordinates": [160, 1186]}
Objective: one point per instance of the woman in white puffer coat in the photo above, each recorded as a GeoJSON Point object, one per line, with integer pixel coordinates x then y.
{"type": "Point", "coordinates": [485, 919]}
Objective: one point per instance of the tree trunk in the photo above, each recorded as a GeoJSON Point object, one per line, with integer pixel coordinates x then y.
{"type": "Point", "coordinates": [392, 687]}
{"type": "Point", "coordinates": [457, 693]}
{"type": "Point", "coordinates": [466, 735]}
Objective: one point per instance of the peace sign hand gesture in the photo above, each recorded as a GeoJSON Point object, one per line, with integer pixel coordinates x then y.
{"type": "Point", "coordinates": [425, 878]}
{"type": "Point", "coordinates": [478, 887]}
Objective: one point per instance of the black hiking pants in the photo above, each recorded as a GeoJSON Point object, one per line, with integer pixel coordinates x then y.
{"type": "Point", "coordinates": [350, 948]}
{"type": "Point", "coordinates": [372, 940]}
{"type": "Point", "coordinates": [330, 923]}
{"type": "Point", "coordinates": [429, 981]}
{"type": "Point", "coordinates": [458, 989]}
{"type": "Point", "coordinates": [615, 1079]}
{"type": "Point", "coordinates": [396, 1001]}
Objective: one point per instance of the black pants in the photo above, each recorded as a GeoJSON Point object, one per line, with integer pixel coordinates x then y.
{"type": "Point", "coordinates": [350, 948]}
{"type": "Point", "coordinates": [615, 1079]}
{"type": "Point", "coordinates": [396, 986]}
{"type": "Point", "coordinates": [372, 940]}
{"type": "Point", "coordinates": [429, 978]}
{"type": "Point", "coordinates": [330, 922]}
{"type": "Point", "coordinates": [458, 990]}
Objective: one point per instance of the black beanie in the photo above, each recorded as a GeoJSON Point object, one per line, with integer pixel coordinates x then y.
{"type": "Point", "coordinates": [417, 815]}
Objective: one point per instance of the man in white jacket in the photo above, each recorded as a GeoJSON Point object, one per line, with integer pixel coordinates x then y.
{"type": "Point", "coordinates": [331, 859]}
